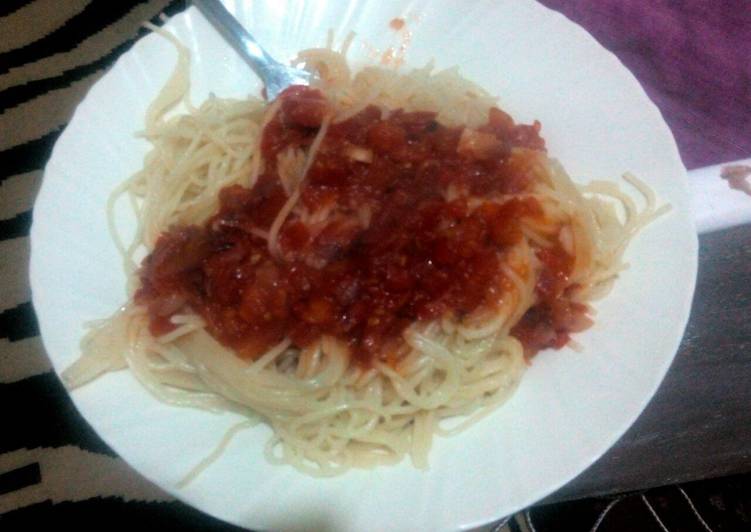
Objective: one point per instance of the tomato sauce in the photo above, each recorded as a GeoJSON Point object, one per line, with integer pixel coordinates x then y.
{"type": "Point", "coordinates": [397, 24]}
{"type": "Point", "coordinates": [398, 248]}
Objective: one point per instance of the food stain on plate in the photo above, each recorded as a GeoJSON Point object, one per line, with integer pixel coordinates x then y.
{"type": "Point", "coordinates": [737, 177]}
{"type": "Point", "coordinates": [394, 56]}
{"type": "Point", "coordinates": [397, 24]}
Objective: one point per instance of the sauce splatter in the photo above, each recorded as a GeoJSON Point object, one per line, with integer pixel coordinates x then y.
{"type": "Point", "coordinates": [737, 177]}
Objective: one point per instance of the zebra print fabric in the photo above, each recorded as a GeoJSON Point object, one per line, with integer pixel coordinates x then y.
{"type": "Point", "coordinates": [54, 469]}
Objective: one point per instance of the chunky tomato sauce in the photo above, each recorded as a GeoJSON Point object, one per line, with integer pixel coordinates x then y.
{"type": "Point", "coordinates": [397, 241]}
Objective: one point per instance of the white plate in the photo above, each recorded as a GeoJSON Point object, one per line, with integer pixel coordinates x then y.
{"type": "Point", "coordinates": [570, 407]}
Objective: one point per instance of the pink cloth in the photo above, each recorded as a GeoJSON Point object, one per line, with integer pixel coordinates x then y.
{"type": "Point", "coordinates": [693, 58]}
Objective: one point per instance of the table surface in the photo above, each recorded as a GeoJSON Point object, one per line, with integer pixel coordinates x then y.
{"type": "Point", "coordinates": [697, 426]}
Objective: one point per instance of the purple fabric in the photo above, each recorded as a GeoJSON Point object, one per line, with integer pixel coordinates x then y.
{"type": "Point", "coordinates": [693, 58]}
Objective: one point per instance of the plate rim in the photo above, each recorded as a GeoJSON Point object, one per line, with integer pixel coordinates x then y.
{"type": "Point", "coordinates": [36, 286]}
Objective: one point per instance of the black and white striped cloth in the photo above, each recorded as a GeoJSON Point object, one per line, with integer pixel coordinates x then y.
{"type": "Point", "coordinates": [54, 469]}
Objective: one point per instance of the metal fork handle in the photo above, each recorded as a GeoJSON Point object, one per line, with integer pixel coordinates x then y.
{"type": "Point", "coordinates": [275, 76]}
{"type": "Point", "coordinates": [236, 35]}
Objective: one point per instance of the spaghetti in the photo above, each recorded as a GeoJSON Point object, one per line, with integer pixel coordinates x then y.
{"type": "Point", "coordinates": [361, 264]}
